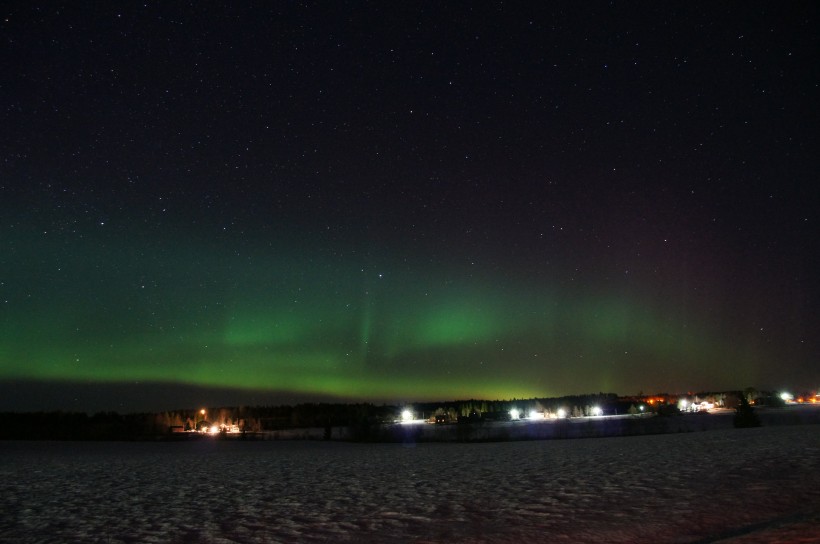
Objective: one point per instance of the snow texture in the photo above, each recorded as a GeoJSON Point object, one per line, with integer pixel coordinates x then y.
{"type": "Point", "coordinates": [729, 486]}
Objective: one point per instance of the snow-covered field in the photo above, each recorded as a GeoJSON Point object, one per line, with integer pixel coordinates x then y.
{"type": "Point", "coordinates": [734, 485]}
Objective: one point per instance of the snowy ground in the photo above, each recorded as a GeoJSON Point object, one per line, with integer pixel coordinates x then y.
{"type": "Point", "coordinates": [734, 486]}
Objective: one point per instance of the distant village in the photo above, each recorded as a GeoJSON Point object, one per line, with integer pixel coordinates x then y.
{"type": "Point", "coordinates": [600, 405]}
{"type": "Point", "coordinates": [603, 414]}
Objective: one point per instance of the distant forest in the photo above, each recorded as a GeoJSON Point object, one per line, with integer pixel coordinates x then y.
{"type": "Point", "coordinates": [360, 420]}
{"type": "Point", "coordinates": [60, 425]}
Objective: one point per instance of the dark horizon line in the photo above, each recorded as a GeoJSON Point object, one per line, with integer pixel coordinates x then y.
{"type": "Point", "coordinates": [29, 395]}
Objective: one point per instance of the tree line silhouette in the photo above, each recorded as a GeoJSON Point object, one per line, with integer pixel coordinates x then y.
{"type": "Point", "coordinates": [362, 421]}
{"type": "Point", "coordinates": [360, 418]}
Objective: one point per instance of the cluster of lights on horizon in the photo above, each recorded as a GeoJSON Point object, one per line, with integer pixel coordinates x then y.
{"type": "Point", "coordinates": [684, 404]}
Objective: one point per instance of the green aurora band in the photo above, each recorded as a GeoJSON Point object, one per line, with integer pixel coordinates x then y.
{"type": "Point", "coordinates": [316, 325]}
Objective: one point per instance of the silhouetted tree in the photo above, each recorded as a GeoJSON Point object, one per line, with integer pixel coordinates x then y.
{"type": "Point", "coordinates": [745, 415]}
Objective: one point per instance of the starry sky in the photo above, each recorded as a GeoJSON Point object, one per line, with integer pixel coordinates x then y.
{"type": "Point", "coordinates": [388, 201]}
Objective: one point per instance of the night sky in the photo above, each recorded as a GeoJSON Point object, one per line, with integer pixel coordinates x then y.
{"type": "Point", "coordinates": [391, 201]}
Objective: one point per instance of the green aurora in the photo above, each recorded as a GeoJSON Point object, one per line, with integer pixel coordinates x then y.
{"type": "Point", "coordinates": [390, 202]}
{"type": "Point", "coordinates": [315, 325]}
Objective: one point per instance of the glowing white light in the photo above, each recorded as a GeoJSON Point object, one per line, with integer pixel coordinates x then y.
{"type": "Point", "coordinates": [562, 413]}
{"type": "Point", "coordinates": [535, 415]}
{"type": "Point", "coordinates": [596, 411]}
{"type": "Point", "coordinates": [787, 397]}
{"type": "Point", "coordinates": [515, 414]}
{"type": "Point", "coordinates": [682, 404]}
{"type": "Point", "coordinates": [407, 416]}
{"type": "Point", "coordinates": [214, 429]}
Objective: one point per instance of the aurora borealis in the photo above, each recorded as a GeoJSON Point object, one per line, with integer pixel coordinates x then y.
{"type": "Point", "coordinates": [373, 202]}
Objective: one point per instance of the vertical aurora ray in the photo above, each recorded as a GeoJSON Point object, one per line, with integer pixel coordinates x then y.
{"type": "Point", "coordinates": [365, 329]}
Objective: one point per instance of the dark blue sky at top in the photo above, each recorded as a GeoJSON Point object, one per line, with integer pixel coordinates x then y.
{"type": "Point", "coordinates": [640, 167]}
